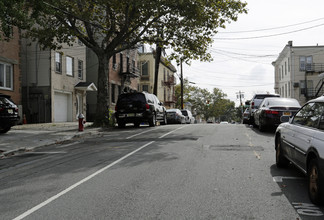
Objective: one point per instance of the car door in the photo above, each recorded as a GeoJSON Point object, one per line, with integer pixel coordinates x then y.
{"type": "Point", "coordinates": [305, 124]}
{"type": "Point", "coordinates": [159, 107]}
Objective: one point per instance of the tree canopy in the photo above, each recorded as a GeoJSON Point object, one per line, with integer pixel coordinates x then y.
{"type": "Point", "coordinates": [109, 27]}
{"type": "Point", "coordinates": [207, 104]}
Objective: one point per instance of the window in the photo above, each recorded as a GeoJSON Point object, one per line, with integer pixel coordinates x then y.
{"type": "Point", "coordinates": [285, 68]}
{"type": "Point", "coordinates": [113, 93]}
{"type": "Point", "coordinates": [114, 62]}
{"type": "Point", "coordinates": [6, 76]}
{"type": "Point", "coordinates": [58, 62]}
{"type": "Point", "coordinates": [309, 115]}
{"type": "Point", "coordinates": [309, 62]}
{"type": "Point", "coordinates": [80, 69]}
{"type": "Point", "coordinates": [144, 66]}
{"type": "Point", "coordinates": [288, 65]}
{"type": "Point", "coordinates": [69, 66]}
{"type": "Point", "coordinates": [145, 88]}
{"type": "Point", "coordinates": [302, 61]}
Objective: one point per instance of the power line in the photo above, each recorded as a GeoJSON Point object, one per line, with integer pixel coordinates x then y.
{"type": "Point", "coordinates": [271, 35]}
{"type": "Point", "coordinates": [268, 29]}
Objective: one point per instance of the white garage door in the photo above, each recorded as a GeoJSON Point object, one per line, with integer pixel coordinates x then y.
{"type": "Point", "coordinates": [61, 111]}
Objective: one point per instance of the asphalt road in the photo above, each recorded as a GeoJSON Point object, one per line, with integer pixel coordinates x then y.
{"type": "Point", "coordinates": [200, 171]}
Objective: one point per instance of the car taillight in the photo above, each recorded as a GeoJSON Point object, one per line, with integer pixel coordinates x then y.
{"type": "Point", "coordinates": [16, 109]}
{"type": "Point", "coordinates": [147, 106]}
{"type": "Point", "coordinates": [269, 112]}
{"type": "Point", "coordinates": [252, 105]}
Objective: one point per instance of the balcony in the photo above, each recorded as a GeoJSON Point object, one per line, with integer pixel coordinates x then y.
{"type": "Point", "coordinates": [314, 68]}
{"type": "Point", "coordinates": [170, 82]}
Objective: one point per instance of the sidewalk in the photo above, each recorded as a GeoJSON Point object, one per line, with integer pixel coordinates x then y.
{"type": "Point", "coordinates": [30, 136]}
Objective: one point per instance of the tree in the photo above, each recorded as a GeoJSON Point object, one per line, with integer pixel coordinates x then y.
{"type": "Point", "coordinates": [205, 103]}
{"type": "Point", "coordinates": [109, 27]}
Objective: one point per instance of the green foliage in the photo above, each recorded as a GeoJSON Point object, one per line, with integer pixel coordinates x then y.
{"type": "Point", "coordinates": [109, 27]}
{"type": "Point", "coordinates": [205, 103]}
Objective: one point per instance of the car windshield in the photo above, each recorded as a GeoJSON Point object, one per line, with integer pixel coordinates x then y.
{"type": "Point", "coordinates": [284, 102]}
{"type": "Point", "coordinates": [5, 101]}
{"type": "Point", "coordinates": [131, 97]}
{"type": "Point", "coordinates": [184, 113]}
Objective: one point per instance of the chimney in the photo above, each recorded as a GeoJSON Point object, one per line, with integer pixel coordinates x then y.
{"type": "Point", "coordinates": [290, 43]}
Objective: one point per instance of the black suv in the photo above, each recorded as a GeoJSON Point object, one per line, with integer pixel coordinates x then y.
{"type": "Point", "coordinates": [8, 113]}
{"type": "Point", "coordinates": [139, 107]}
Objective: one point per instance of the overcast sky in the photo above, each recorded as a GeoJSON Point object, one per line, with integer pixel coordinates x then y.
{"type": "Point", "coordinates": [243, 52]}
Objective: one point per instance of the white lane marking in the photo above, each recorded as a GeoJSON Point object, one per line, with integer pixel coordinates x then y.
{"type": "Point", "coordinates": [279, 179]}
{"type": "Point", "coordinates": [171, 132]}
{"type": "Point", "coordinates": [140, 133]}
{"type": "Point", "coordinates": [34, 209]}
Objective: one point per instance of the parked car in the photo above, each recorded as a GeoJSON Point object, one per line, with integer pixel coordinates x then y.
{"type": "Point", "coordinates": [175, 116]}
{"type": "Point", "coordinates": [271, 110]}
{"type": "Point", "coordinates": [8, 113]}
{"type": "Point", "coordinates": [188, 116]}
{"type": "Point", "coordinates": [246, 114]}
{"type": "Point", "coordinates": [301, 142]}
{"type": "Point", "coordinates": [255, 103]}
{"type": "Point", "coordinates": [139, 107]}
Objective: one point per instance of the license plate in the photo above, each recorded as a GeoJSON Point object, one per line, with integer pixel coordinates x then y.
{"type": "Point", "coordinates": [130, 114]}
{"type": "Point", "coordinates": [10, 111]}
{"type": "Point", "coordinates": [286, 113]}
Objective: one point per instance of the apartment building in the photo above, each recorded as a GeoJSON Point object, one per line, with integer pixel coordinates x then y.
{"type": "Point", "coordinates": [298, 72]}
{"type": "Point", "coordinates": [54, 82]}
{"type": "Point", "coordinates": [10, 72]}
{"type": "Point", "coordinates": [166, 77]}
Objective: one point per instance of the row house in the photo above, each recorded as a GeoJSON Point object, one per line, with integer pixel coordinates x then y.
{"type": "Point", "coordinates": [54, 82]}
{"type": "Point", "coordinates": [10, 69]}
{"type": "Point", "coordinates": [123, 77]}
{"type": "Point", "coordinates": [298, 72]}
{"type": "Point", "coordinates": [166, 77]}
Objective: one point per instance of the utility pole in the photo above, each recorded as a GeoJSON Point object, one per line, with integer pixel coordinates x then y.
{"type": "Point", "coordinates": [240, 95]}
{"type": "Point", "coordinates": [181, 83]}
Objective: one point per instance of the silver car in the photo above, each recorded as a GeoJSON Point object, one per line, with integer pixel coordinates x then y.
{"type": "Point", "coordinates": [301, 142]}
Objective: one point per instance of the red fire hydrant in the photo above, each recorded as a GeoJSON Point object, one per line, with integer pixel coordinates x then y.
{"type": "Point", "coordinates": [81, 122]}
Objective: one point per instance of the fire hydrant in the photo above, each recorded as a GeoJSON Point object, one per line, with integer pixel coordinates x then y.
{"type": "Point", "coordinates": [81, 122]}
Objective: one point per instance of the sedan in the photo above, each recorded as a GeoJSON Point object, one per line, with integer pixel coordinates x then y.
{"type": "Point", "coordinates": [301, 142]}
{"type": "Point", "coordinates": [271, 110]}
{"type": "Point", "coordinates": [175, 116]}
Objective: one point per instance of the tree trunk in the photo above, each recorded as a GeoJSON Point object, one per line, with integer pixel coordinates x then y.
{"type": "Point", "coordinates": [157, 64]}
{"type": "Point", "coordinates": [103, 95]}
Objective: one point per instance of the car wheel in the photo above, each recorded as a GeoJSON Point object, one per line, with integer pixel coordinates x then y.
{"type": "Point", "coordinates": [152, 121]}
{"type": "Point", "coordinates": [281, 160]}
{"type": "Point", "coordinates": [4, 130]}
{"type": "Point", "coordinates": [164, 120]}
{"type": "Point", "coordinates": [314, 182]}
{"type": "Point", "coordinates": [261, 126]}
{"type": "Point", "coordinates": [121, 124]}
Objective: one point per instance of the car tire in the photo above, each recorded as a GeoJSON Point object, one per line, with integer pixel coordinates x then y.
{"type": "Point", "coordinates": [281, 160]}
{"type": "Point", "coordinates": [121, 124]}
{"type": "Point", "coordinates": [315, 181]}
{"type": "Point", "coordinates": [152, 121]}
{"type": "Point", "coordinates": [261, 126]}
{"type": "Point", "coordinates": [4, 130]}
{"type": "Point", "coordinates": [164, 122]}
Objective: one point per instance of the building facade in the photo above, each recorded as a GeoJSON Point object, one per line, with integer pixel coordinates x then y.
{"type": "Point", "coordinates": [123, 77]}
{"type": "Point", "coordinates": [166, 77]}
{"type": "Point", "coordinates": [10, 71]}
{"type": "Point", "coordinates": [298, 72]}
{"type": "Point", "coordinates": [54, 82]}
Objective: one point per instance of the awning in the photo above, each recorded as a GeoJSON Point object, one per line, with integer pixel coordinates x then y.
{"type": "Point", "coordinates": [86, 86]}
